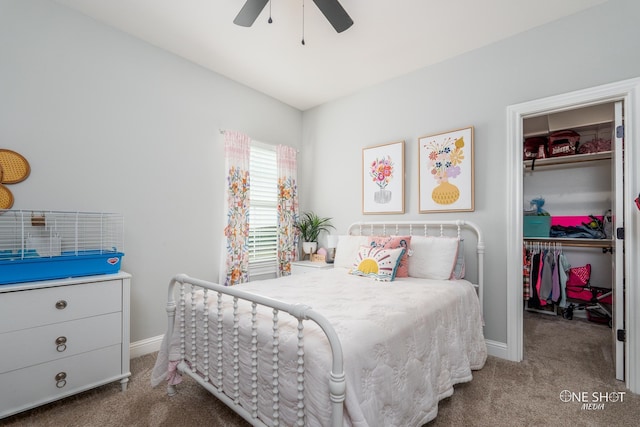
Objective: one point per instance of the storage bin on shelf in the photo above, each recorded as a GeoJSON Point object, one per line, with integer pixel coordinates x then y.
{"type": "Point", "coordinates": [536, 225]}
{"type": "Point", "coordinates": [573, 220]}
{"type": "Point", "coordinates": [44, 245]}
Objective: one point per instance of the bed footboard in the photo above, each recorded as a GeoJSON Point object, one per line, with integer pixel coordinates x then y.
{"type": "Point", "coordinates": [198, 356]}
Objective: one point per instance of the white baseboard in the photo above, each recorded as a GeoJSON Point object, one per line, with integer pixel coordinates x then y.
{"type": "Point", "coordinates": [146, 346]}
{"type": "Point", "coordinates": [497, 349]}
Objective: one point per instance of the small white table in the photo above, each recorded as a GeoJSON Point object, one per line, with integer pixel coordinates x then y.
{"type": "Point", "coordinates": [303, 267]}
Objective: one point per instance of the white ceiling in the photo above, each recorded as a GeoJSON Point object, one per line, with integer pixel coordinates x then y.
{"type": "Point", "coordinates": [388, 38]}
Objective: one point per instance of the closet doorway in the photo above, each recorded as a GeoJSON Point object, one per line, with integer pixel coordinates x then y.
{"type": "Point", "coordinates": [601, 182]}
{"type": "Point", "coordinates": [572, 178]}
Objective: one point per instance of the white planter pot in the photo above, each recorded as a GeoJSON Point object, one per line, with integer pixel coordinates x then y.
{"type": "Point", "coordinates": [309, 247]}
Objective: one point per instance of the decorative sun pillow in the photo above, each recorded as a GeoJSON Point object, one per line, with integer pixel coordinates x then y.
{"type": "Point", "coordinates": [378, 263]}
{"type": "Point", "coordinates": [347, 249]}
{"type": "Point", "coordinates": [394, 242]}
{"type": "Point", "coordinates": [433, 257]}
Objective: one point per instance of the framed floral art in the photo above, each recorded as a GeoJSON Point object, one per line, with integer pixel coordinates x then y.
{"type": "Point", "coordinates": [383, 179]}
{"type": "Point", "coordinates": [446, 171]}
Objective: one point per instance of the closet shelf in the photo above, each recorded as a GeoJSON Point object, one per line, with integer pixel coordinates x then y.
{"type": "Point", "coordinates": [577, 242]}
{"type": "Point", "coordinates": [567, 160]}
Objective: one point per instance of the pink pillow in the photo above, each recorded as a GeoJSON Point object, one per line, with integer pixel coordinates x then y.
{"type": "Point", "coordinates": [393, 242]}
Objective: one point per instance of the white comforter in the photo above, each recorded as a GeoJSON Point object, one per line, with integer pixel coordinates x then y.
{"type": "Point", "coordinates": [405, 343]}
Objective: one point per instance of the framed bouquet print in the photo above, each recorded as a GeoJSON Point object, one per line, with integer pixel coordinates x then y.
{"type": "Point", "coordinates": [445, 171]}
{"type": "Point", "coordinates": [383, 179]}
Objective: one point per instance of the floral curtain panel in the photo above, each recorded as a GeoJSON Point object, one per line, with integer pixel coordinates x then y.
{"type": "Point", "coordinates": [287, 208]}
{"type": "Point", "coordinates": [236, 231]}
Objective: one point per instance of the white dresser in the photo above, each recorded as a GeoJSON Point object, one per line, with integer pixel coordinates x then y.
{"type": "Point", "coordinates": [61, 337]}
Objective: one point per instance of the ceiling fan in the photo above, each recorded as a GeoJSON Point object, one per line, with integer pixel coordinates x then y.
{"type": "Point", "coordinates": [332, 10]}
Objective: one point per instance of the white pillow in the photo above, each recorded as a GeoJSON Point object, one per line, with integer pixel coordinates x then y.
{"type": "Point", "coordinates": [433, 257]}
{"type": "Point", "coordinates": [376, 262]}
{"type": "Point", "coordinates": [347, 249]}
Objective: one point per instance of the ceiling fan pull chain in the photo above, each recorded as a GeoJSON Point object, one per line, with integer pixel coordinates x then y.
{"type": "Point", "coordinates": [270, 20]}
{"type": "Point", "coordinates": [302, 22]}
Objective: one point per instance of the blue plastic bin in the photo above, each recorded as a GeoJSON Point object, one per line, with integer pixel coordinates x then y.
{"type": "Point", "coordinates": [73, 264]}
{"type": "Point", "coordinates": [536, 226]}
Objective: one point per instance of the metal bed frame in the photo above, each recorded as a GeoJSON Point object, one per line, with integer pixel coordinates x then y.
{"type": "Point", "coordinates": [213, 294]}
{"type": "Point", "coordinates": [425, 228]}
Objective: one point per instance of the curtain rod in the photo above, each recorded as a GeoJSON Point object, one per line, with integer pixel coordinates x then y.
{"type": "Point", "coordinates": [222, 131]}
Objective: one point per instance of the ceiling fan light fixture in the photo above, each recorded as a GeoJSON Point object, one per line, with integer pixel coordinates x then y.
{"type": "Point", "coordinates": [335, 14]}
{"type": "Point", "coordinates": [249, 12]}
{"type": "Point", "coordinates": [331, 9]}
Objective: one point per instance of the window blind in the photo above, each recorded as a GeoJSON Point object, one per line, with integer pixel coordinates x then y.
{"type": "Point", "coordinates": [263, 210]}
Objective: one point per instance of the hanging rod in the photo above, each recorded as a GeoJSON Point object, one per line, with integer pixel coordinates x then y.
{"type": "Point", "coordinates": [577, 243]}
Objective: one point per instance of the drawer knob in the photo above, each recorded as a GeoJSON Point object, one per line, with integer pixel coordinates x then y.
{"type": "Point", "coordinates": [61, 344]}
{"type": "Point", "coordinates": [61, 379]}
{"type": "Point", "coordinates": [61, 305]}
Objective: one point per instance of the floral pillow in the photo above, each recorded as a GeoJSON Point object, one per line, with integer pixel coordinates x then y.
{"type": "Point", "coordinates": [378, 263]}
{"type": "Point", "coordinates": [394, 242]}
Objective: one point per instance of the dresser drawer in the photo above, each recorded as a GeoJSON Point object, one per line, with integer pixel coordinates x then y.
{"type": "Point", "coordinates": [58, 340]}
{"type": "Point", "coordinates": [36, 307]}
{"type": "Point", "coordinates": [25, 388]}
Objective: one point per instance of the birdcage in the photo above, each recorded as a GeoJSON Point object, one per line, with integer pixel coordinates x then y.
{"type": "Point", "coordinates": [43, 245]}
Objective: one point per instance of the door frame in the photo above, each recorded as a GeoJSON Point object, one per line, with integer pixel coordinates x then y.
{"type": "Point", "coordinates": [627, 91]}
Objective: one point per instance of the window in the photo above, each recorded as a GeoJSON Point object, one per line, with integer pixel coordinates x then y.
{"type": "Point", "coordinates": [263, 210]}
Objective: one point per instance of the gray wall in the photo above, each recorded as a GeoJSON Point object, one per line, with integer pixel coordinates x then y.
{"type": "Point", "coordinates": [110, 123]}
{"type": "Point", "coordinates": [588, 49]}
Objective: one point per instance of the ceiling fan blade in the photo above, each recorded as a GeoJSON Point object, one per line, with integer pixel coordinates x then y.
{"type": "Point", "coordinates": [249, 12]}
{"type": "Point", "coordinates": [335, 14]}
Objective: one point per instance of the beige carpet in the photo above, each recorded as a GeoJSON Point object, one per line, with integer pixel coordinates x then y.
{"type": "Point", "coordinates": [573, 355]}
{"type": "Point", "coordinates": [559, 355]}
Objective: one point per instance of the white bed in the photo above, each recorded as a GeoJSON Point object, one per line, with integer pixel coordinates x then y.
{"type": "Point", "coordinates": [385, 353]}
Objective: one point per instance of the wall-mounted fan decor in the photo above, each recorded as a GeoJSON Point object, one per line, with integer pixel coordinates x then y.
{"type": "Point", "coordinates": [331, 9]}
{"type": "Point", "coordinates": [14, 168]}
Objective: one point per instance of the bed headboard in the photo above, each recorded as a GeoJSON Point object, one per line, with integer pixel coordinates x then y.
{"type": "Point", "coordinates": [455, 228]}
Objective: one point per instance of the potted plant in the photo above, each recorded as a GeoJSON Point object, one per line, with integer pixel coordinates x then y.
{"type": "Point", "coordinates": [310, 226]}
